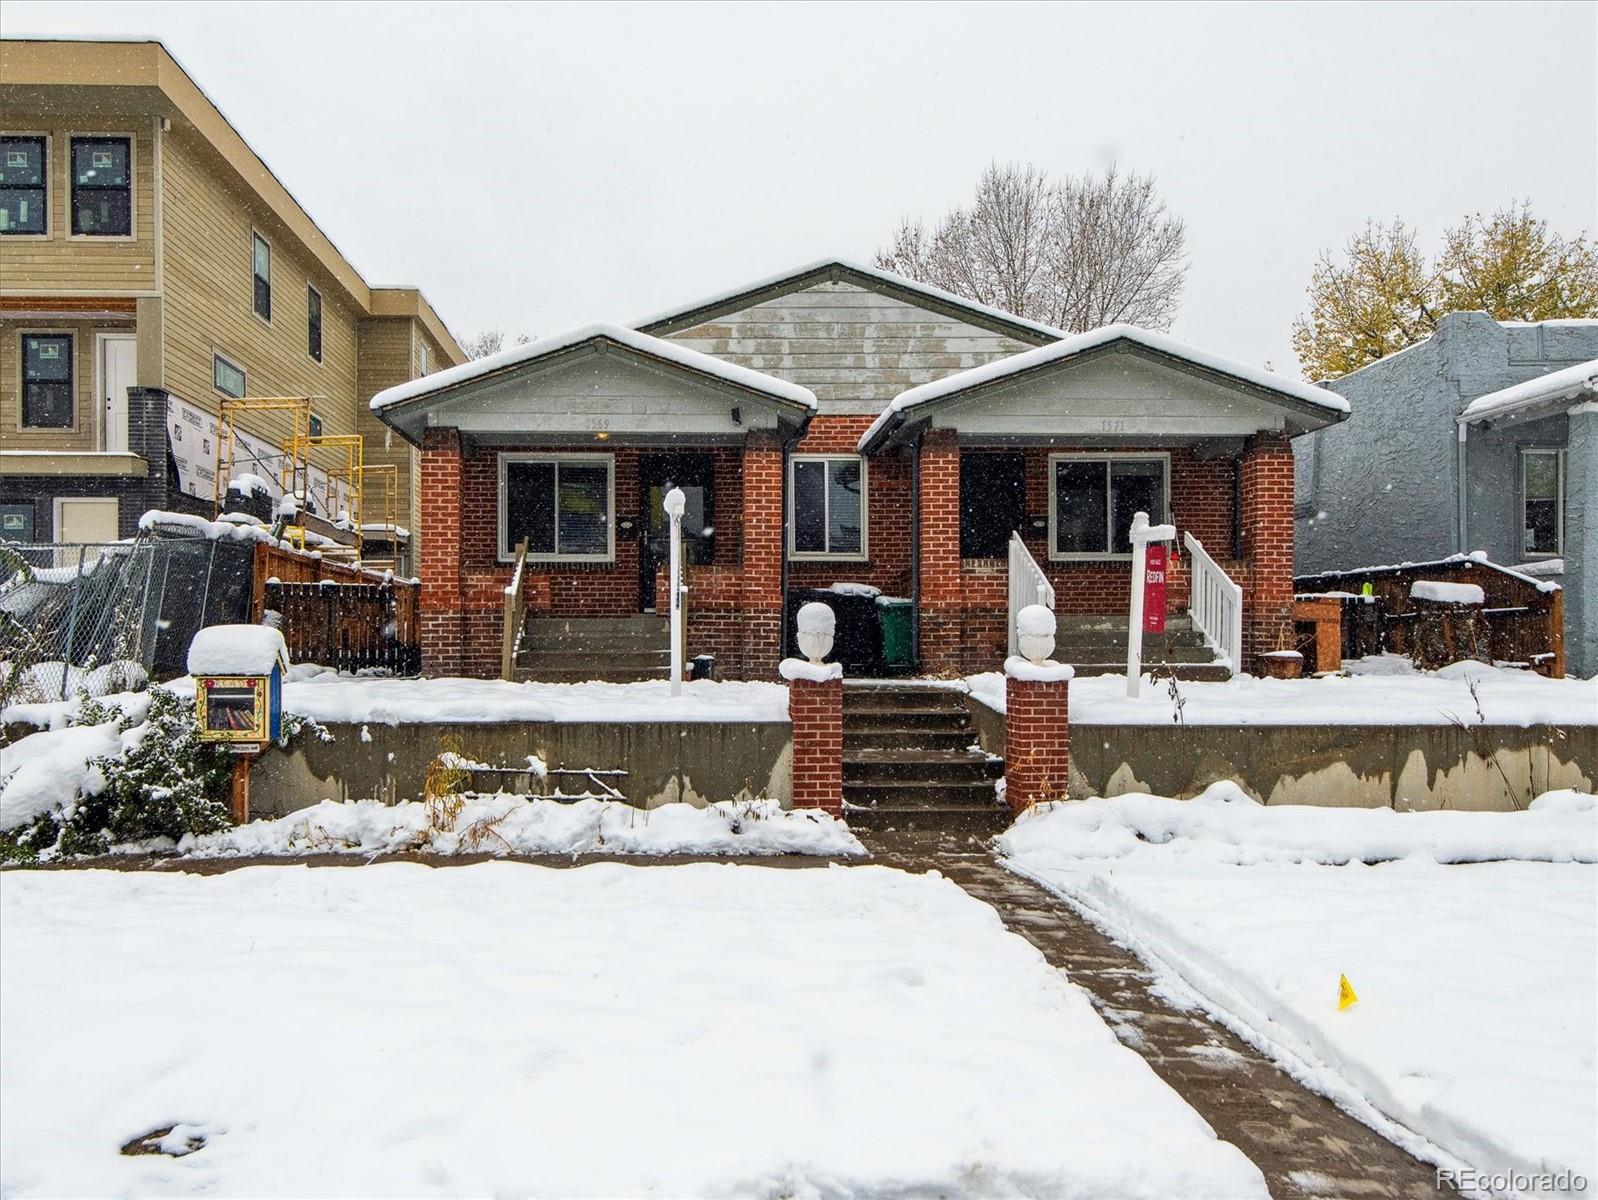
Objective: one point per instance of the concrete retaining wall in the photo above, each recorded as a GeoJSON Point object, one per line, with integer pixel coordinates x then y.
{"type": "Point", "coordinates": [1368, 766]}
{"type": "Point", "coordinates": [693, 761]}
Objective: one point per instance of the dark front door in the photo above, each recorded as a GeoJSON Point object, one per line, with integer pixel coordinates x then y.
{"type": "Point", "coordinates": [657, 475]}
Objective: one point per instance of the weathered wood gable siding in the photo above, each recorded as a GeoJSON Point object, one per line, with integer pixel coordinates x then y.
{"type": "Point", "coordinates": [85, 431]}
{"type": "Point", "coordinates": [591, 391]}
{"type": "Point", "coordinates": [1108, 395]}
{"type": "Point", "coordinates": [856, 349]}
{"type": "Point", "coordinates": [59, 262]}
{"type": "Point", "coordinates": [209, 299]}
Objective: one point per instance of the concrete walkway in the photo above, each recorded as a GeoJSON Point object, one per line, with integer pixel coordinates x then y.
{"type": "Point", "coordinates": [1305, 1145]}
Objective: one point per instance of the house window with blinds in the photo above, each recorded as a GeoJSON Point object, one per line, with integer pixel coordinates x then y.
{"type": "Point", "coordinates": [561, 503]}
{"type": "Point", "coordinates": [829, 505]}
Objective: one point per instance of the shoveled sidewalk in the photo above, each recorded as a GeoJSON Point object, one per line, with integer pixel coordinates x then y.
{"type": "Point", "coordinates": [1305, 1145]}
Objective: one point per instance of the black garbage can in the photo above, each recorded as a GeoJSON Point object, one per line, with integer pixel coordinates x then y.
{"type": "Point", "coordinates": [857, 633]}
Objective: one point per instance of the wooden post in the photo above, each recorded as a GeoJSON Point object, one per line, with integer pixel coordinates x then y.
{"type": "Point", "coordinates": [241, 789]}
{"type": "Point", "coordinates": [1556, 634]}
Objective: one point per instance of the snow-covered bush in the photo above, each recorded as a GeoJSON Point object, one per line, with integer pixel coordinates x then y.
{"type": "Point", "coordinates": [165, 783]}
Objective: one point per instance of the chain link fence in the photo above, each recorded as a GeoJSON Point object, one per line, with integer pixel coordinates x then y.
{"type": "Point", "coordinates": [106, 617]}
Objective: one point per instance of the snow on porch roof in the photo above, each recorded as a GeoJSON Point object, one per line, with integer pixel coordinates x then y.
{"type": "Point", "coordinates": [643, 343]}
{"type": "Point", "coordinates": [1567, 383]}
{"type": "Point", "coordinates": [1070, 347]}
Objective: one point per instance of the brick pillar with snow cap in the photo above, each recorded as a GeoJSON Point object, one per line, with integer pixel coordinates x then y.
{"type": "Point", "coordinates": [815, 710]}
{"type": "Point", "coordinates": [1037, 729]}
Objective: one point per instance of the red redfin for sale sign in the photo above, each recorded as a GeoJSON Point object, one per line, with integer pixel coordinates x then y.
{"type": "Point", "coordinates": [1154, 589]}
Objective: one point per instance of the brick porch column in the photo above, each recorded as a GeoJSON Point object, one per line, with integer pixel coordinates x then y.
{"type": "Point", "coordinates": [938, 551]}
{"type": "Point", "coordinates": [1266, 485]}
{"type": "Point", "coordinates": [815, 709]}
{"type": "Point", "coordinates": [761, 592]}
{"type": "Point", "coordinates": [1037, 733]}
{"type": "Point", "coordinates": [441, 601]}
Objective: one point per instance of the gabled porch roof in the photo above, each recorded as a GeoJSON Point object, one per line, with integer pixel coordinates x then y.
{"type": "Point", "coordinates": [556, 383]}
{"type": "Point", "coordinates": [1300, 406]}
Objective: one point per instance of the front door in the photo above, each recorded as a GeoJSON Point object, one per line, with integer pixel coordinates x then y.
{"type": "Point", "coordinates": [117, 368]}
{"type": "Point", "coordinates": [657, 475]}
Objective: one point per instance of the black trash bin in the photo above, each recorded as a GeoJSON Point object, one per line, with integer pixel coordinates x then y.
{"type": "Point", "coordinates": [857, 633]}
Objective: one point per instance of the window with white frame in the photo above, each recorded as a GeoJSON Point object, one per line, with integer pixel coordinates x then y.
{"type": "Point", "coordinates": [828, 503]}
{"type": "Point", "coordinates": [561, 503]}
{"type": "Point", "coordinates": [1092, 498]}
{"type": "Point", "coordinates": [1542, 501]}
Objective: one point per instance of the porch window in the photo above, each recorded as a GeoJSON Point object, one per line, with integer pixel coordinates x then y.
{"type": "Point", "coordinates": [992, 502]}
{"type": "Point", "coordinates": [102, 187]}
{"type": "Point", "coordinates": [47, 381]}
{"type": "Point", "coordinates": [1542, 492]}
{"type": "Point", "coordinates": [1093, 497]}
{"type": "Point", "coordinates": [829, 506]}
{"type": "Point", "coordinates": [22, 185]}
{"type": "Point", "coordinates": [561, 503]}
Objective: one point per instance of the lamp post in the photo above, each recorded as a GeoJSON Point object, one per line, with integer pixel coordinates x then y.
{"type": "Point", "coordinates": [674, 503]}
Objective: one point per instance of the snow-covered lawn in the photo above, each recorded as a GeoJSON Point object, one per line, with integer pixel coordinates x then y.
{"type": "Point", "coordinates": [1384, 690]}
{"type": "Point", "coordinates": [505, 824]}
{"type": "Point", "coordinates": [1473, 1041]}
{"type": "Point", "coordinates": [601, 1031]}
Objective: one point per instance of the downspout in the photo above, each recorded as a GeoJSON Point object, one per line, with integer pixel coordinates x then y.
{"type": "Point", "coordinates": [788, 443]}
{"type": "Point", "coordinates": [1461, 524]}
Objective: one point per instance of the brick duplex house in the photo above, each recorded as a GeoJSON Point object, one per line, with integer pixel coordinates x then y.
{"type": "Point", "coordinates": [841, 425]}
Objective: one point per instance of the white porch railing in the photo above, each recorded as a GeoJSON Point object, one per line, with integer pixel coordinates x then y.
{"type": "Point", "coordinates": [1028, 584]}
{"type": "Point", "coordinates": [1216, 605]}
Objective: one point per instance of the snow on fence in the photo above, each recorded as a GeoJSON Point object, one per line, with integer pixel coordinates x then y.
{"type": "Point", "coordinates": [1215, 603]}
{"type": "Point", "coordinates": [1028, 586]}
{"type": "Point", "coordinates": [1520, 618]}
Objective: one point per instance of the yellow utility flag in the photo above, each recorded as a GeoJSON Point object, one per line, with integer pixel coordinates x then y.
{"type": "Point", "coordinates": [1346, 996]}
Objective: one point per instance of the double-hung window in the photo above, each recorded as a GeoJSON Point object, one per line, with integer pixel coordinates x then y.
{"type": "Point", "coordinates": [47, 381]}
{"type": "Point", "coordinates": [561, 503]}
{"type": "Point", "coordinates": [261, 272]}
{"type": "Point", "coordinates": [828, 497]}
{"type": "Point", "coordinates": [313, 323]}
{"type": "Point", "coordinates": [1092, 498]}
{"type": "Point", "coordinates": [22, 185]}
{"type": "Point", "coordinates": [1542, 501]}
{"type": "Point", "coordinates": [102, 186]}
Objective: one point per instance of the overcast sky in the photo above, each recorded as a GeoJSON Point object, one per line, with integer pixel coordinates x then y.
{"type": "Point", "coordinates": [535, 167]}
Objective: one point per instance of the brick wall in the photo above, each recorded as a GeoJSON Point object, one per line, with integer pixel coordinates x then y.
{"type": "Point", "coordinates": [440, 558]}
{"type": "Point", "coordinates": [1037, 742]}
{"type": "Point", "coordinates": [887, 512]}
{"type": "Point", "coordinates": [816, 712]}
{"type": "Point", "coordinates": [1266, 485]}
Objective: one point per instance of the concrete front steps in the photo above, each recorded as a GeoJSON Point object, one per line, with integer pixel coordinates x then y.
{"type": "Point", "coordinates": [573, 649]}
{"type": "Point", "coordinates": [910, 762]}
{"type": "Point", "coordinates": [1096, 645]}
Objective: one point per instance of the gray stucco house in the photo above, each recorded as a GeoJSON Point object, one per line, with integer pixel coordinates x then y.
{"type": "Point", "coordinates": [1446, 453]}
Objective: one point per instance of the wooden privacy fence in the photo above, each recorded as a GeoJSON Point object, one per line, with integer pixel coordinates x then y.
{"type": "Point", "coordinates": [339, 616]}
{"type": "Point", "coordinates": [1521, 621]}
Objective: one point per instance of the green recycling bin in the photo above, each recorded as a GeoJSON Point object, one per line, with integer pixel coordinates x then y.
{"type": "Point", "coordinates": [894, 616]}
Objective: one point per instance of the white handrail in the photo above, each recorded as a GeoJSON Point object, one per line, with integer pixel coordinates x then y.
{"type": "Point", "coordinates": [1215, 603]}
{"type": "Point", "coordinates": [1028, 584]}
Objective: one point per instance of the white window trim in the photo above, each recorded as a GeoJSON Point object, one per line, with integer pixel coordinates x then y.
{"type": "Point", "coordinates": [864, 553]}
{"type": "Point", "coordinates": [1098, 456]}
{"type": "Point", "coordinates": [271, 296]}
{"type": "Point", "coordinates": [310, 288]}
{"type": "Point", "coordinates": [217, 354]}
{"type": "Point", "coordinates": [132, 235]}
{"type": "Point", "coordinates": [49, 191]}
{"type": "Point", "coordinates": [1559, 501]}
{"type": "Point", "coordinates": [77, 390]}
{"type": "Point", "coordinates": [507, 554]}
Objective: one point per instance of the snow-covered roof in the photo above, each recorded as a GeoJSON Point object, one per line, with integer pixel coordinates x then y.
{"type": "Point", "coordinates": [700, 309]}
{"type": "Point", "coordinates": [643, 343]}
{"type": "Point", "coordinates": [1568, 383]}
{"type": "Point", "coordinates": [1080, 343]}
{"type": "Point", "coordinates": [237, 650]}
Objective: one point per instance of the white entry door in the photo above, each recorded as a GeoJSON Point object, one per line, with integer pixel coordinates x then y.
{"type": "Point", "coordinates": [118, 365]}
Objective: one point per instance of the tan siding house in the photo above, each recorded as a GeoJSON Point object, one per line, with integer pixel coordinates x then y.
{"type": "Point", "coordinates": [151, 265]}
